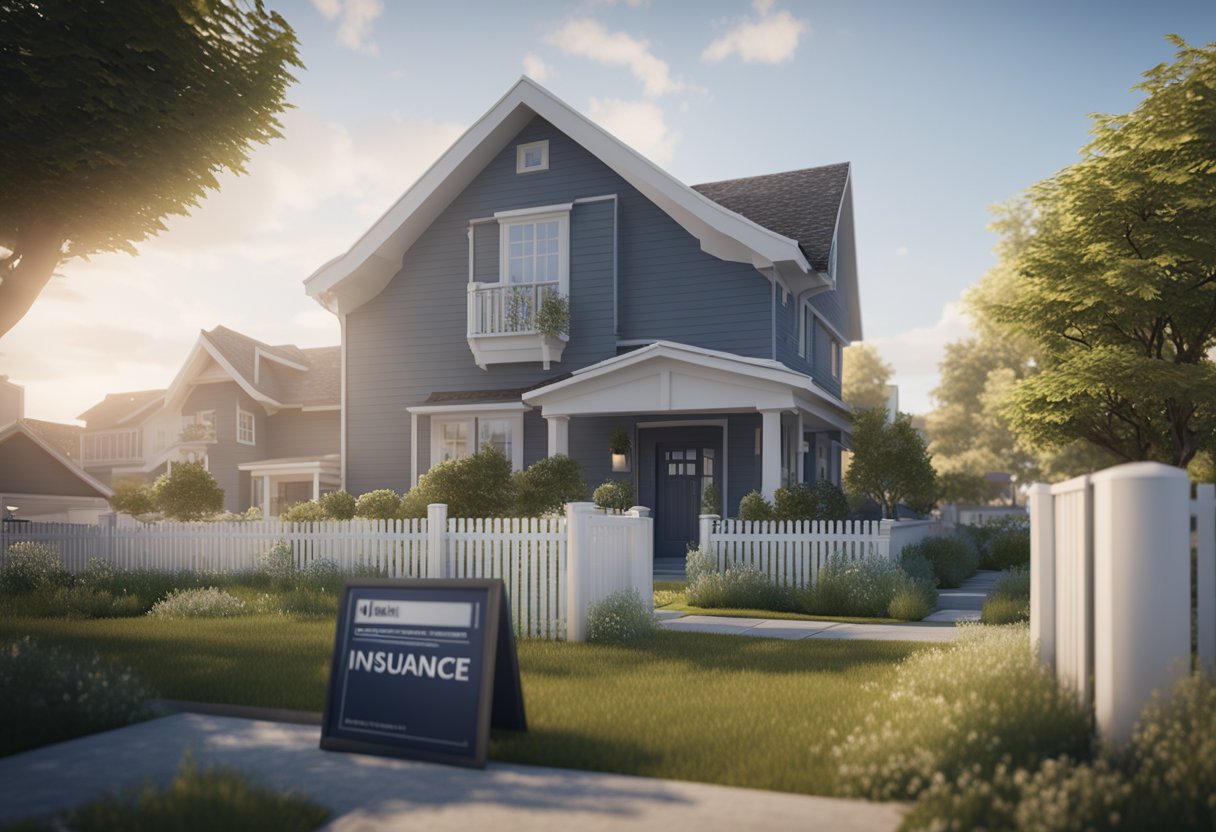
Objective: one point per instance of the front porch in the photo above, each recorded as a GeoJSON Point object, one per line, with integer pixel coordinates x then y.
{"type": "Point", "coordinates": [277, 484]}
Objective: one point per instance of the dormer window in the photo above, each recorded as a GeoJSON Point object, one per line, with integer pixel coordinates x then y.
{"type": "Point", "coordinates": [532, 157]}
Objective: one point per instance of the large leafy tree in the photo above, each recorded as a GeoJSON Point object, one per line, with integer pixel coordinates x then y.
{"type": "Point", "coordinates": [119, 113]}
{"type": "Point", "coordinates": [188, 492]}
{"type": "Point", "coordinates": [1117, 286]}
{"type": "Point", "coordinates": [866, 377]}
{"type": "Point", "coordinates": [890, 463]}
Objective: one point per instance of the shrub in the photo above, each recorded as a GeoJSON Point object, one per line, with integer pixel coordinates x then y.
{"type": "Point", "coordinates": [711, 500]}
{"type": "Point", "coordinates": [132, 496]}
{"type": "Point", "coordinates": [1007, 549]}
{"type": "Point", "coordinates": [207, 602]}
{"type": "Point", "coordinates": [85, 602]}
{"type": "Point", "coordinates": [136, 590]}
{"type": "Point", "coordinates": [30, 567]}
{"type": "Point", "coordinates": [738, 587]}
{"type": "Point", "coordinates": [473, 486]}
{"type": "Point", "coordinates": [917, 566]}
{"type": "Point", "coordinates": [1009, 601]}
{"type": "Point", "coordinates": [381, 504]}
{"type": "Point", "coordinates": [754, 506]}
{"type": "Point", "coordinates": [867, 587]}
{"type": "Point", "coordinates": [953, 557]}
{"type": "Point", "coordinates": [309, 511]}
{"type": "Point", "coordinates": [697, 563]}
{"type": "Point", "coordinates": [279, 562]}
{"type": "Point", "coordinates": [614, 495]}
{"type": "Point", "coordinates": [546, 485]}
{"type": "Point", "coordinates": [338, 505]}
{"type": "Point", "coordinates": [188, 492]}
{"type": "Point", "coordinates": [51, 695]}
{"type": "Point", "coordinates": [622, 616]}
{"type": "Point", "coordinates": [820, 501]}
{"type": "Point", "coordinates": [962, 710]}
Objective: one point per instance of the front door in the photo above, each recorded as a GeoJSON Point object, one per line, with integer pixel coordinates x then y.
{"type": "Point", "coordinates": [679, 472]}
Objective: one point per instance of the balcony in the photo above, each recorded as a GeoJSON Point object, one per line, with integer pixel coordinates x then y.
{"type": "Point", "coordinates": [511, 323]}
{"type": "Point", "coordinates": [111, 447]}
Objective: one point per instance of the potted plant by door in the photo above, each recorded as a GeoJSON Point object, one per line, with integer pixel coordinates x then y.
{"type": "Point", "coordinates": [619, 446]}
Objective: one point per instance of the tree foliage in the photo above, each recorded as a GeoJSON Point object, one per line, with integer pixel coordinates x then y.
{"type": "Point", "coordinates": [120, 114]}
{"type": "Point", "coordinates": [132, 496]}
{"type": "Point", "coordinates": [1117, 286]}
{"type": "Point", "coordinates": [865, 377]}
{"type": "Point", "coordinates": [188, 492]}
{"type": "Point", "coordinates": [546, 485]}
{"type": "Point", "coordinates": [473, 486]}
{"type": "Point", "coordinates": [890, 464]}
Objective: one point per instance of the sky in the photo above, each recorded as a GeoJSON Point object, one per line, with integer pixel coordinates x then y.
{"type": "Point", "coordinates": [943, 108]}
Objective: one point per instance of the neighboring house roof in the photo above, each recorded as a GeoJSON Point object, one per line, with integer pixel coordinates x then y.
{"type": "Point", "coordinates": [117, 408]}
{"type": "Point", "coordinates": [278, 376]}
{"type": "Point", "coordinates": [801, 204]}
{"type": "Point", "coordinates": [354, 278]}
{"type": "Point", "coordinates": [61, 437]}
{"type": "Point", "coordinates": [21, 477]}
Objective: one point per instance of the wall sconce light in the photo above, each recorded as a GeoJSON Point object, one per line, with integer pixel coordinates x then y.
{"type": "Point", "coordinates": [620, 462]}
{"type": "Point", "coordinates": [619, 445]}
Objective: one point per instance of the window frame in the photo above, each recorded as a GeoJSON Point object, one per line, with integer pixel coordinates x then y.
{"type": "Point", "coordinates": [510, 219]}
{"type": "Point", "coordinates": [472, 422]}
{"type": "Point", "coordinates": [837, 359]}
{"type": "Point", "coordinates": [521, 152]}
{"type": "Point", "coordinates": [253, 426]}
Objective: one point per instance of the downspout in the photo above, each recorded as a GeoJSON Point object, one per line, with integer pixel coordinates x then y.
{"type": "Point", "coordinates": [342, 403]}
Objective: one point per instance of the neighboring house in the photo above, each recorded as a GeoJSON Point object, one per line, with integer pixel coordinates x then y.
{"type": "Point", "coordinates": [706, 322]}
{"type": "Point", "coordinates": [264, 419]}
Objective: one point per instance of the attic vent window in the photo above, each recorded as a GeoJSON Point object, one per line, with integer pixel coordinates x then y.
{"type": "Point", "coordinates": [532, 157]}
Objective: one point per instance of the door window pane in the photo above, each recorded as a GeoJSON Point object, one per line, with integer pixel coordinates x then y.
{"type": "Point", "coordinates": [496, 432]}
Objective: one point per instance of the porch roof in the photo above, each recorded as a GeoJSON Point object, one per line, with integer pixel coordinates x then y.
{"type": "Point", "coordinates": [329, 464]}
{"type": "Point", "coordinates": [666, 377]}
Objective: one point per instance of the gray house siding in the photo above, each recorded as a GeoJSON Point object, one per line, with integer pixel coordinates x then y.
{"type": "Point", "coordinates": [292, 433]}
{"type": "Point", "coordinates": [25, 468]}
{"type": "Point", "coordinates": [410, 340]}
{"type": "Point", "coordinates": [226, 453]}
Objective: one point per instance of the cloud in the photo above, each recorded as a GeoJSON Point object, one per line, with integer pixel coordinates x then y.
{"type": "Point", "coordinates": [915, 354]}
{"type": "Point", "coordinates": [537, 69]}
{"type": "Point", "coordinates": [901, 251]}
{"type": "Point", "coordinates": [355, 19]}
{"type": "Point", "coordinates": [590, 39]}
{"type": "Point", "coordinates": [639, 124]}
{"type": "Point", "coordinates": [768, 39]}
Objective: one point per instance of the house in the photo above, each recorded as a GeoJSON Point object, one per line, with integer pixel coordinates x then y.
{"type": "Point", "coordinates": [542, 284]}
{"type": "Point", "coordinates": [264, 419]}
{"type": "Point", "coordinates": [39, 479]}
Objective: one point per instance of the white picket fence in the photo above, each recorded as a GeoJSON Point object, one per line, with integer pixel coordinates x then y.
{"type": "Point", "coordinates": [554, 568]}
{"type": "Point", "coordinates": [791, 553]}
{"type": "Point", "coordinates": [1110, 571]}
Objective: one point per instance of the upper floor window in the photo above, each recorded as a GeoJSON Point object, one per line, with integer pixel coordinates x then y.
{"type": "Point", "coordinates": [837, 359]}
{"type": "Point", "coordinates": [806, 336]}
{"type": "Point", "coordinates": [245, 425]}
{"type": "Point", "coordinates": [198, 426]}
{"type": "Point", "coordinates": [532, 157]}
{"type": "Point", "coordinates": [534, 246]}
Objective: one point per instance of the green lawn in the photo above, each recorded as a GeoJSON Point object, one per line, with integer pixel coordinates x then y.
{"type": "Point", "coordinates": [747, 712]}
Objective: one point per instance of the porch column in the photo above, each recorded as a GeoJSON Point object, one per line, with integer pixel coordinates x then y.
{"type": "Point", "coordinates": [799, 456]}
{"type": "Point", "coordinates": [316, 484]}
{"type": "Point", "coordinates": [770, 453]}
{"type": "Point", "coordinates": [559, 435]}
{"type": "Point", "coordinates": [266, 497]}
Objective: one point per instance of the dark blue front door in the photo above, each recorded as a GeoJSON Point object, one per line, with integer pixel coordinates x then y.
{"type": "Point", "coordinates": [681, 471]}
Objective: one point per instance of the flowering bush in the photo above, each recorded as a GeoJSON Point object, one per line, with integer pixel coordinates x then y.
{"type": "Point", "coordinates": [738, 587]}
{"type": "Point", "coordinates": [622, 616]}
{"type": "Point", "coordinates": [207, 602]}
{"type": "Point", "coordinates": [30, 567]}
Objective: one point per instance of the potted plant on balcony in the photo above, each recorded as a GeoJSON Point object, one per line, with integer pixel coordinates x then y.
{"type": "Point", "coordinates": [619, 446]}
{"type": "Point", "coordinates": [552, 321]}
{"type": "Point", "coordinates": [197, 432]}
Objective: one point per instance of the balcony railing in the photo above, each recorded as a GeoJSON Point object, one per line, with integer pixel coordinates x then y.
{"type": "Point", "coordinates": [507, 308]}
{"type": "Point", "coordinates": [110, 446]}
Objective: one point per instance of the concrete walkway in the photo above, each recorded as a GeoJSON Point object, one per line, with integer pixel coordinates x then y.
{"type": "Point", "coordinates": [377, 793]}
{"type": "Point", "coordinates": [954, 605]}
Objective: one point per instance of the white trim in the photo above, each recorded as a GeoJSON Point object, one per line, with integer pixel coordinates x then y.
{"type": "Point", "coordinates": [522, 149]}
{"type": "Point", "coordinates": [317, 408]}
{"type": "Point", "coordinates": [484, 407]}
{"type": "Point", "coordinates": [833, 331]}
{"type": "Point", "coordinates": [305, 467]}
{"type": "Point", "coordinates": [358, 275]}
{"type": "Point", "coordinates": [539, 211]}
{"type": "Point", "coordinates": [528, 216]}
{"type": "Point", "coordinates": [259, 354]}
{"type": "Point", "coordinates": [341, 401]}
{"type": "Point", "coordinates": [75, 470]}
{"type": "Point", "coordinates": [413, 449]}
{"type": "Point", "coordinates": [159, 400]}
{"type": "Point", "coordinates": [472, 418]}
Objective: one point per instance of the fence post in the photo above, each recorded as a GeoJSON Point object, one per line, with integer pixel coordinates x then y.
{"type": "Point", "coordinates": [705, 536]}
{"type": "Point", "coordinates": [885, 547]}
{"type": "Point", "coordinates": [1042, 572]}
{"type": "Point", "coordinates": [436, 540]}
{"type": "Point", "coordinates": [1205, 573]}
{"type": "Point", "coordinates": [1142, 565]}
{"type": "Point", "coordinates": [577, 568]}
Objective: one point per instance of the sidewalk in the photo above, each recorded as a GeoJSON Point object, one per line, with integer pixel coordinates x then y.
{"type": "Point", "coordinates": [954, 605]}
{"type": "Point", "coordinates": [366, 792]}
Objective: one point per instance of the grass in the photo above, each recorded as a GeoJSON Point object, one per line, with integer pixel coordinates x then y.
{"type": "Point", "coordinates": [195, 801]}
{"type": "Point", "coordinates": [755, 713]}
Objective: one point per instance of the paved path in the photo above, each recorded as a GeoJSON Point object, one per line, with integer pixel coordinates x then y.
{"type": "Point", "coordinates": [377, 793]}
{"type": "Point", "coordinates": [965, 603]}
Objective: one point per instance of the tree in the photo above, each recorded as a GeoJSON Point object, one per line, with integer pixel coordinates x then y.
{"type": "Point", "coordinates": [132, 496]}
{"type": "Point", "coordinates": [546, 485]}
{"type": "Point", "coordinates": [890, 464]}
{"type": "Point", "coordinates": [120, 114]}
{"type": "Point", "coordinates": [1117, 286]}
{"type": "Point", "coordinates": [188, 492]}
{"type": "Point", "coordinates": [866, 377]}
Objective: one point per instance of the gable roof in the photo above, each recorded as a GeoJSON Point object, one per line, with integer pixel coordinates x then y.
{"type": "Point", "coordinates": [276, 376]}
{"type": "Point", "coordinates": [117, 408]}
{"type": "Point", "coordinates": [352, 279]}
{"type": "Point", "coordinates": [801, 204]}
{"type": "Point", "coordinates": [62, 437]}
{"type": "Point", "coordinates": [21, 428]}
